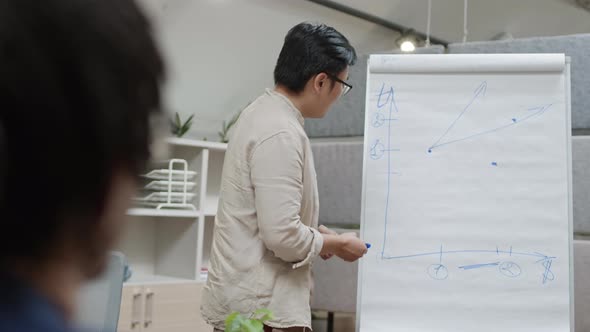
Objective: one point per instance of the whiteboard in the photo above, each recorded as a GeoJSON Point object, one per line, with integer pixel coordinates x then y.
{"type": "Point", "coordinates": [466, 194]}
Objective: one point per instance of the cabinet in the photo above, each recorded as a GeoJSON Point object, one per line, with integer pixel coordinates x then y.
{"type": "Point", "coordinates": [164, 307]}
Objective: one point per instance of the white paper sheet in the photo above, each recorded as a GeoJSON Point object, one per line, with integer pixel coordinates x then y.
{"type": "Point", "coordinates": [465, 195]}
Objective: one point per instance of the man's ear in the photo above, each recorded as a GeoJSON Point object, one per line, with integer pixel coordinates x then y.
{"type": "Point", "coordinates": [319, 81]}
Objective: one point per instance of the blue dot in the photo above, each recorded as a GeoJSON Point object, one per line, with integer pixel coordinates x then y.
{"type": "Point", "coordinates": [494, 163]}
{"type": "Point", "coordinates": [429, 151]}
{"type": "Point", "coordinates": [514, 120]}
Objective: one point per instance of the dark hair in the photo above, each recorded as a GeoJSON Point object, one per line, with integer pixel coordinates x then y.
{"type": "Point", "coordinates": [79, 81]}
{"type": "Point", "coordinates": [310, 49]}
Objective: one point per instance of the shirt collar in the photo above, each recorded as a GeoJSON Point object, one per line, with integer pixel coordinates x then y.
{"type": "Point", "coordinates": [286, 100]}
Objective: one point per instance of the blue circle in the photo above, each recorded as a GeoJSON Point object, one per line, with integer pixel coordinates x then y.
{"type": "Point", "coordinates": [377, 120]}
{"type": "Point", "coordinates": [377, 151]}
{"type": "Point", "coordinates": [438, 272]}
{"type": "Point", "coordinates": [510, 269]}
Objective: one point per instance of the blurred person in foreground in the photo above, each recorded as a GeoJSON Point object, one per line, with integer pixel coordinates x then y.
{"type": "Point", "coordinates": [79, 82]}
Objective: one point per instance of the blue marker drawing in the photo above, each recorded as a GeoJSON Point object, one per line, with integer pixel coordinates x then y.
{"type": "Point", "coordinates": [392, 172]}
{"type": "Point", "coordinates": [377, 150]}
{"type": "Point", "coordinates": [480, 91]}
{"type": "Point", "coordinates": [438, 272]}
{"type": "Point", "coordinates": [547, 273]}
{"type": "Point", "coordinates": [478, 94]}
{"type": "Point", "coordinates": [510, 269]}
{"type": "Point", "coordinates": [507, 268]}
{"type": "Point", "coordinates": [478, 266]}
{"type": "Point", "coordinates": [390, 98]}
{"type": "Point", "coordinates": [438, 252]}
{"type": "Point", "coordinates": [368, 245]}
{"type": "Point", "coordinates": [379, 120]}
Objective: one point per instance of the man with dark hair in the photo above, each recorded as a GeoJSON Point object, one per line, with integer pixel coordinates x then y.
{"type": "Point", "coordinates": [79, 81]}
{"type": "Point", "coordinates": [266, 231]}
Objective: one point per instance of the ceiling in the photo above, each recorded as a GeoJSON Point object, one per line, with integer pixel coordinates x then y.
{"type": "Point", "coordinates": [486, 18]}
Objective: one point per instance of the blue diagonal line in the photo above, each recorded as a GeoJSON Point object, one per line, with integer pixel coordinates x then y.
{"type": "Point", "coordinates": [480, 89]}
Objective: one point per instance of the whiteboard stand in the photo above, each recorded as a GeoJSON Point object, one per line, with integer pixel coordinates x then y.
{"type": "Point", "coordinates": [568, 91]}
{"type": "Point", "coordinates": [478, 168]}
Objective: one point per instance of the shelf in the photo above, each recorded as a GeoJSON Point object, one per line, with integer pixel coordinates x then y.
{"type": "Point", "coordinates": [211, 204]}
{"type": "Point", "coordinates": [143, 212]}
{"type": "Point", "coordinates": [154, 279]}
{"type": "Point", "coordinates": [196, 143]}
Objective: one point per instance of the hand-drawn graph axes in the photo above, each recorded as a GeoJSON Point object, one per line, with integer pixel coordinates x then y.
{"type": "Point", "coordinates": [506, 267]}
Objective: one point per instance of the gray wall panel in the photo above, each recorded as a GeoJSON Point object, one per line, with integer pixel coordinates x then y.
{"type": "Point", "coordinates": [575, 46]}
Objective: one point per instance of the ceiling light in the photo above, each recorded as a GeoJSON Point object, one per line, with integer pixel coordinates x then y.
{"type": "Point", "coordinates": [407, 46]}
{"type": "Point", "coordinates": [408, 41]}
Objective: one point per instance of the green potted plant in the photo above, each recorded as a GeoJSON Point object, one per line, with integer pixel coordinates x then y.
{"type": "Point", "coordinates": [255, 323]}
{"type": "Point", "coordinates": [180, 128]}
{"type": "Point", "coordinates": [226, 126]}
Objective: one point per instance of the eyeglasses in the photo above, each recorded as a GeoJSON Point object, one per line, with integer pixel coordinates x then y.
{"type": "Point", "coordinates": [345, 86]}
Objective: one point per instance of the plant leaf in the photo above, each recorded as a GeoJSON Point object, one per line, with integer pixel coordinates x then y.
{"type": "Point", "coordinates": [173, 128]}
{"type": "Point", "coordinates": [177, 117]}
{"type": "Point", "coordinates": [236, 324]}
{"type": "Point", "coordinates": [258, 326]}
{"type": "Point", "coordinates": [229, 321]}
{"type": "Point", "coordinates": [226, 126]}
{"type": "Point", "coordinates": [235, 118]}
{"type": "Point", "coordinates": [233, 322]}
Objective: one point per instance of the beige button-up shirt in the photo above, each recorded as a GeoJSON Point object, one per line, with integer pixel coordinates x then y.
{"type": "Point", "coordinates": [265, 230]}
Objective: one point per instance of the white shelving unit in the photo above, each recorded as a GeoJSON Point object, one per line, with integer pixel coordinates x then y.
{"type": "Point", "coordinates": [197, 143]}
{"type": "Point", "coordinates": [155, 279]}
{"type": "Point", "coordinates": [168, 246]}
{"type": "Point", "coordinates": [142, 212]}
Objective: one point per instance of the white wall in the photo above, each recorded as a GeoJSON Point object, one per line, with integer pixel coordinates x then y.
{"type": "Point", "coordinates": [221, 53]}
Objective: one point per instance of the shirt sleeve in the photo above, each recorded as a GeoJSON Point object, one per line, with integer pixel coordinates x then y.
{"type": "Point", "coordinates": [277, 177]}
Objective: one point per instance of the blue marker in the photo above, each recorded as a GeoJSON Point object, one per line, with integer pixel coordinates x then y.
{"type": "Point", "coordinates": [368, 245]}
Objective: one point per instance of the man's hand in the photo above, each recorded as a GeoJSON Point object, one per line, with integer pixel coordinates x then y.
{"type": "Point", "coordinates": [325, 230]}
{"type": "Point", "coordinates": [346, 246]}
{"type": "Point", "coordinates": [352, 249]}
